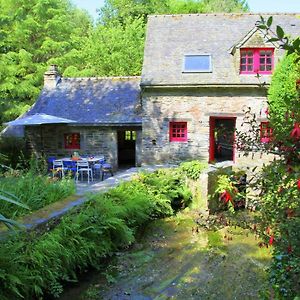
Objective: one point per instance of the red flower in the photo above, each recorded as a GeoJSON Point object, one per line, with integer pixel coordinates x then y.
{"type": "Point", "coordinates": [289, 249]}
{"type": "Point", "coordinates": [266, 111]}
{"type": "Point", "coordinates": [295, 133]}
{"type": "Point", "coordinates": [265, 140]}
{"type": "Point", "coordinates": [298, 184]}
{"type": "Point", "coordinates": [225, 196]}
{"type": "Point", "coordinates": [271, 240]}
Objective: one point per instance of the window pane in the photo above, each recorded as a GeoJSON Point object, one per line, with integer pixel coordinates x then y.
{"type": "Point", "coordinates": [194, 63]}
{"type": "Point", "coordinates": [262, 68]}
{"type": "Point", "coordinates": [250, 68]}
{"type": "Point", "coordinates": [261, 60]}
{"type": "Point", "coordinates": [269, 68]}
{"type": "Point", "coordinates": [249, 53]}
{"type": "Point", "coordinates": [250, 60]}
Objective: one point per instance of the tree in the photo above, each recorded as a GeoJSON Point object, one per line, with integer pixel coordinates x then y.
{"type": "Point", "coordinates": [32, 33]}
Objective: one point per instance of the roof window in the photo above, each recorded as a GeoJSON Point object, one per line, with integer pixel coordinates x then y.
{"type": "Point", "coordinates": [194, 63]}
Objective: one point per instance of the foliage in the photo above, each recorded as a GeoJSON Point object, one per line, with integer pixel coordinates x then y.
{"type": "Point", "coordinates": [12, 151]}
{"type": "Point", "coordinates": [6, 197]}
{"type": "Point", "coordinates": [193, 169]}
{"type": "Point", "coordinates": [169, 184]}
{"type": "Point", "coordinates": [33, 32]}
{"type": "Point", "coordinates": [227, 190]}
{"type": "Point", "coordinates": [32, 265]}
{"type": "Point", "coordinates": [279, 182]}
{"type": "Point", "coordinates": [36, 191]}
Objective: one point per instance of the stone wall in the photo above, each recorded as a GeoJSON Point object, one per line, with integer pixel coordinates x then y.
{"type": "Point", "coordinates": [195, 106]}
{"type": "Point", "coordinates": [94, 140]}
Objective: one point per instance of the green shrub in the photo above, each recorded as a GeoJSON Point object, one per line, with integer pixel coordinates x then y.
{"type": "Point", "coordinates": [32, 265]}
{"type": "Point", "coordinates": [169, 184]}
{"type": "Point", "coordinates": [36, 191]}
{"type": "Point", "coordinates": [193, 169]}
{"type": "Point", "coordinates": [14, 151]}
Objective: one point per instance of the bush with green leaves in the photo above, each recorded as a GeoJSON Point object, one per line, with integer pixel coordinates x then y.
{"type": "Point", "coordinates": [279, 181]}
{"type": "Point", "coordinates": [193, 169]}
{"type": "Point", "coordinates": [33, 265]}
{"type": "Point", "coordinates": [36, 191]}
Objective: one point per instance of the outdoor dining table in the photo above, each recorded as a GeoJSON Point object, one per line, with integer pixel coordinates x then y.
{"type": "Point", "coordinates": [91, 160]}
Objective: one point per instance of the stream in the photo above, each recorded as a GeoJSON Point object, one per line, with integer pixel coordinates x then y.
{"type": "Point", "coordinates": [177, 259]}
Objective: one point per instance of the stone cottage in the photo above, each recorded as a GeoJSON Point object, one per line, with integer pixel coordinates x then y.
{"type": "Point", "coordinates": [199, 74]}
{"type": "Point", "coordinates": [107, 112]}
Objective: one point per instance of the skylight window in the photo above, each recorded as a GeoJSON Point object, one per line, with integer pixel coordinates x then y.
{"type": "Point", "coordinates": [197, 63]}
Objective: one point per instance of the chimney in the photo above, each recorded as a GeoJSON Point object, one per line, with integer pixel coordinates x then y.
{"type": "Point", "coordinates": [51, 77]}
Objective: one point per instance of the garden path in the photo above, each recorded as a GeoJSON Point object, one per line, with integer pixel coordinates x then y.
{"type": "Point", "coordinates": [177, 259]}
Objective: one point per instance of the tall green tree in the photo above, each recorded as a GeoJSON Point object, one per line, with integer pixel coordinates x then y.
{"type": "Point", "coordinates": [32, 33]}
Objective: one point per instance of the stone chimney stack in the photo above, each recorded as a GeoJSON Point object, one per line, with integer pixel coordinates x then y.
{"type": "Point", "coordinates": [51, 77]}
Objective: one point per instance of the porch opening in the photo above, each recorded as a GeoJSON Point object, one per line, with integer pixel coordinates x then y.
{"type": "Point", "coordinates": [126, 147]}
{"type": "Point", "coordinates": [222, 138]}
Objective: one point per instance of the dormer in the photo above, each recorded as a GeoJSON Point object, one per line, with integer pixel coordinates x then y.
{"type": "Point", "coordinates": [254, 55]}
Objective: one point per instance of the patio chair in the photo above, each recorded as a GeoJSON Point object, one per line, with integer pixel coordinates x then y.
{"type": "Point", "coordinates": [106, 168]}
{"type": "Point", "coordinates": [84, 167]}
{"type": "Point", "coordinates": [97, 167]}
{"type": "Point", "coordinates": [70, 166]}
{"type": "Point", "coordinates": [58, 168]}
{"type": "Point", "coordinates": [50, 161]}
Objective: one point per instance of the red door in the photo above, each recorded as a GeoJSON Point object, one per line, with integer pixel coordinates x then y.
{"type": "Point", "coordinates": [221, 139]}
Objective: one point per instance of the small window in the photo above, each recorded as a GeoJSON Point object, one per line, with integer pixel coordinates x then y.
{"type": "Point", "coordinates": [256, 61]}
{"type": "Point", "coordinates": [72, 140]}
{"type": "Point", "coordinates": [265, 132]}
{"type": "Point", "coordinates": [130, 135]}
{"type": "Point", "coordinates": [197, 63]}
{"type": "Point", "coordinates": [178, 131]}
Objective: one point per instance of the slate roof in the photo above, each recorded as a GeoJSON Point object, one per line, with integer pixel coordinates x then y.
{"type": "Point", "coordinates": [103, 101]}
{"type": "Point", "coordinates": [170, 37]}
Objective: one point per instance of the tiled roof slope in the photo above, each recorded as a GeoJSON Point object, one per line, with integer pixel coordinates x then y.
{"type": "Point", "coordinates": [112, 100]}
{"type": "Point", "coordinates": [170, 37]}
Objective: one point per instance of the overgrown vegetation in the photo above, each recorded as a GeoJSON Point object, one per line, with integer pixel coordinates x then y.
{"type": "Point", "coordinates": [34, 265]}
{"type": "Point", "coordinates": [279, 182]}
{"type": "Point", "coordinates": [32, 186]}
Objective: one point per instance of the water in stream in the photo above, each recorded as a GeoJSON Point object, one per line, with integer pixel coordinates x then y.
{"type": "Point", "coordinates": [175, 259]}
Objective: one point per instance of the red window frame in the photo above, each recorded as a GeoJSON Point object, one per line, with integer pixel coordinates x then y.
{"type": "Point", "coordinates": [266, 132]}
{"type": "Point", "coordinates": [256, 60]}
{"type": "Point", "coordinates": [72, 140]}
{"type": "Point", "coordinates": [178, 131]}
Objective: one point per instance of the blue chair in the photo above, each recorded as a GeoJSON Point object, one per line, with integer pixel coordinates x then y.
{"type": "Point", "coordinates": [98, 166]}
{"type": "Point", "coordinates": [70, 166]}
{"type": "Point", "coordinates": [50, 161]}
{"type": "Point", "coordinates": [106, 168]}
